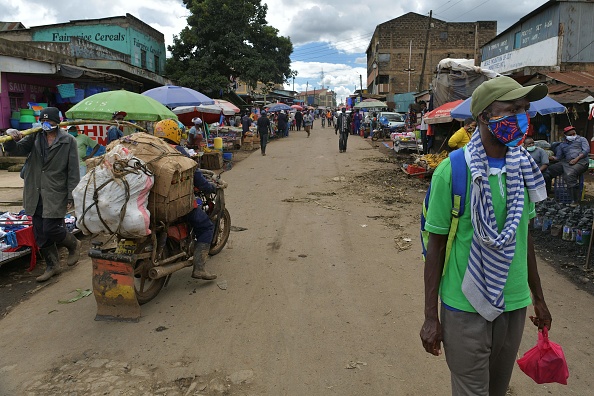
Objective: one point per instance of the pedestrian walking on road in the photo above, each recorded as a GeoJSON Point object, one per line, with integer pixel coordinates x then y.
{"type": "Point", "coordinates": [264, 129]}
{"type": "Point", "coordinates": [51, 172]}
{"type": "Point", "coordinates": [298, 119]}
{"type": "Point", "coordinates": [342, 129]}
{"type": "Point", "coordinates": [83, 143]}
{"type": "Point", "coordinates": [308, 122]}
{"type": "Point", "coordinates": [490, 275]}
{"type": "Point", "coordinates": [282, 124]}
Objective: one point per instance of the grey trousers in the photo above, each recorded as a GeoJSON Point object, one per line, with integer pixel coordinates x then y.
{"type": "Point", "coordinates": [481, 354]}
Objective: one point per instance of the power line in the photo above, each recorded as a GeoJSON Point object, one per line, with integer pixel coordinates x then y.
{"type": "Point", "coordinates": [484, 2]}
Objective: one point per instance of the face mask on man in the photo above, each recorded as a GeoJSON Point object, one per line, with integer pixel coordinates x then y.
{"type": "Point", "coordinates": [47, 127]}
{"type": "Point", "coordinates": [509, 130]}
{"type": "Point", "coordinates": [531, 148]}
{"type": "Point", "coordinates": [571, 138]}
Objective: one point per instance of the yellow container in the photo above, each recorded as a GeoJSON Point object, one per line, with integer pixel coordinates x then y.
{"type": "Point", "coordinates": [218, 143]}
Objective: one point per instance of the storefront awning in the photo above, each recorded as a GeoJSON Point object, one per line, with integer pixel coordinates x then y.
{"type": "Point", "coordinates": [70, 71]}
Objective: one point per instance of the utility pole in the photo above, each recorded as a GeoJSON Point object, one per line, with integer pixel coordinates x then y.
{"type": "Point", "coordinates": [361, 84]}
{"type": "Point", "coordinates": [306, 87]}
{"type": "Point", "coordinates": [409, 70]}
{"type": "Point", "coordinates": [425, 53]}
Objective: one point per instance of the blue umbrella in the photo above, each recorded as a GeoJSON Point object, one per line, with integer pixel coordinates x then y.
{"type": "Point", "coordinates": [544, 106]}
{"type": "Point", "coordinates": [174, 96]}
{"type": "Point", "coordinates": [279, 107]}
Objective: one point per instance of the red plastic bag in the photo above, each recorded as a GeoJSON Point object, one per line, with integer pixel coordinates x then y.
{"type": "Point", "coordinates": [545, 362]}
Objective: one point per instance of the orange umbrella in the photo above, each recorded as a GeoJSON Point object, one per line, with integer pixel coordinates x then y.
{"type": "Point", "coordinates": [441, 114]}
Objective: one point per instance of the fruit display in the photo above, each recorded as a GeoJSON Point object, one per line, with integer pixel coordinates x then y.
{"type": "Point", "coordinates": [430, 161]}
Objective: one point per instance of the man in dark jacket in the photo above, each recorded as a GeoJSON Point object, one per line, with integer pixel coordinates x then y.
{"type": "Point", "coordinates": [246, 121]}
{"type": "Point", "coordinates": [298, 119]}
{"type": "Point", "coordinates": [51, 173]}
{"type": "Point", "coordinates": [342, 127]}
{"type": "Point", "coordinates": [264, 129]}
{"type": "Point", "coordinates": [283, 130]}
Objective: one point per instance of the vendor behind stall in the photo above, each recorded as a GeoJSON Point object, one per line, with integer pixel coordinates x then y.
{"type": "Point", "coordinates": [51, 173]}
{"type": "Point", "coordinates": [462, 136]}
{"type": "Point", "coordinates": [83, 142]}
{"type": "Point", "coordinates": [539, 155]}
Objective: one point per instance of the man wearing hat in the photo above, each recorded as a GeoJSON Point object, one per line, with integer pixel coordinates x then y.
{"type": "Point", "coordinates": [573, 156]}
{"type": "Point", "coordinates": [195, 134]}
{"type": "Point", "coordinates": [114, 133]}
{"type": "Point", "coordinates": [491, 274]}
{"type": "Point", "coordinates": [51, 173]}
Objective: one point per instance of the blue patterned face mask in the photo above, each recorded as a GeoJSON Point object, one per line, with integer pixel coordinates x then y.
{"type": "Point", "coordinates": [509, 130]}
{"type": "Point", "coordinates": [46, 126]}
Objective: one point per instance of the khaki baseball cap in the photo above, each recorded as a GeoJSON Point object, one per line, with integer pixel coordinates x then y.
{"type": "Point", "coordinates": [503, 89]}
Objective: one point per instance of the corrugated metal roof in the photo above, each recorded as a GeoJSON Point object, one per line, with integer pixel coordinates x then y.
{"type": "Point", "coordinates": [568, 97]}
{"type": "Point", "coordinates": [573, 78]}
{"type": "Point", "coordinates": [6, 26]}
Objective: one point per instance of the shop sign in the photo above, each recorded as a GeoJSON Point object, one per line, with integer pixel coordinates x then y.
{"type": "Point", "coordinates": [25, 88]}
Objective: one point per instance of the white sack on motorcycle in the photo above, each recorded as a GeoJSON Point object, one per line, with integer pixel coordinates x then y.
{"type": "Point", "coordinates": [113, 196]}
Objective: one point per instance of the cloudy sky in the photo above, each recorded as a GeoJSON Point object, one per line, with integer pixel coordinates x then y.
{"type": "Point", "coordinates": [329, 37]}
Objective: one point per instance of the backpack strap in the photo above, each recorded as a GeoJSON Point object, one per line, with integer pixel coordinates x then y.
{"type": "Point", "coordinates": [459, 185]}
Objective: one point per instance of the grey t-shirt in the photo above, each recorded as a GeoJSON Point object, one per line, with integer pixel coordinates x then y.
{"type": "Point", "coordinates": [540, 157]}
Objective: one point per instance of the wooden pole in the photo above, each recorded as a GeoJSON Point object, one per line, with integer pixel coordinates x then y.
{"type": "Point", "coordinates": [425, 53]}
{"type": "Point", "coordinates": [4, 139]}
{"type": "Point", "coordinates": [590, 247]}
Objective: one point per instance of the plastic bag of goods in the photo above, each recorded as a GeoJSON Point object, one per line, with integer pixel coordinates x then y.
{"type": "Point", "coordinates": [113, 196]}
{"type": "Point", "coordinates": [172, 195]}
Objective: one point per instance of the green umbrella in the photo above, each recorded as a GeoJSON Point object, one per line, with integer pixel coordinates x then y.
{"type": "Point", "coordinates": [138, 107]}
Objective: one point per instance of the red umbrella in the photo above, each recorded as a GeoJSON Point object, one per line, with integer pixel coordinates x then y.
{"type": "Point", "coordinates": [297, 107]}
{"type": "Point", "coordinates": [442, 113]}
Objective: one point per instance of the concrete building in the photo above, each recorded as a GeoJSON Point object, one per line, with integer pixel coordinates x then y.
{"type": "Point", "coordinates": [551, 45]}
{"type": "Point", "coordinates": [95, 55]}
{"type": "Point", "coordinates": [401, 41]}
{"type": "Point", "coordinates": [317, 98]}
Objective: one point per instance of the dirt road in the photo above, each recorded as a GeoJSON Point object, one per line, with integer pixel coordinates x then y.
{"type": "Point", "coordinates": [323, 297]}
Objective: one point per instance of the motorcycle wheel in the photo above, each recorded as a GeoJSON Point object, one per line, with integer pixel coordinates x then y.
{"type": "Point", "coordinates": [220, 240]}
{"type": "Point", "coordinates": [374, 137]}
{"type": "Point", "coordinates": [146, 288]}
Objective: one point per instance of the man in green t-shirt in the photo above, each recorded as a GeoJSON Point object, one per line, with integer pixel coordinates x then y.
{"type": "Point", "coordinates": [83, 142]}
{"type": "Point", "coordinates": [487, 281]}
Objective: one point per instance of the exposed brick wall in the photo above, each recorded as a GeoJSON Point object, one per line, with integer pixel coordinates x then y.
{"type": "Point", "coordinates": [446, 40]}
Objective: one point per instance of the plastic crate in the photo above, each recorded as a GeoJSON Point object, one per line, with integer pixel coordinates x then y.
{"type": "Point", "coordinates": [562, 193]}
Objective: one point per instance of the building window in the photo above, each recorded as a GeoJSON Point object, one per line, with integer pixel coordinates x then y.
{"type": "Point", "coordinates": [383, 79]}
{"type": "Point", "coordinates": [16, 100]}
{"type": "Point", "coordinates": [518, 40]}
{"type": "Point", "coordinates": [143, 59]}
{"type": "Point", "coordinates": [157, 65]}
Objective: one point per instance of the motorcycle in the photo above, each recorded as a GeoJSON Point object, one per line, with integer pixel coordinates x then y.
{"type": "Point", "coordinates": [136, 270]}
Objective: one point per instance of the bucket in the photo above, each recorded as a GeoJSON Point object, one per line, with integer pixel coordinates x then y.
{"type": "Point", "coordinates": [27, 112]}
{"type": "Point", "coordinates": [218, 143]}
{"type": "Point", "coordinates": [14, 123]}
{"type": "Point", "coordinates": [556, 230]}
{"type": "Point", "coordinates": [15, 115]}
{"type": "Point", "coordinates": [25, 125]}
{"type": "Point", "coordinates": [583, 237]}
{"type": "Point", "coordinates": [567, 231]}
{"type": "Point", "coordinates": [27, 118]}
{"type": "Point", "coordinates": [227, 156]}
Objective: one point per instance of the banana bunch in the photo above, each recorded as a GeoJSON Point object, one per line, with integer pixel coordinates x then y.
{"type": "Point", "coordinates": [433, 160]}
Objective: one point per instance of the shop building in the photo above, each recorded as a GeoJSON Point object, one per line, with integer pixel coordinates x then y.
{"type": "Point", "coordinates": [396, 51]}
{"type": "Point", "coordinates": [551, 45]}
{"type": "Point", "coordinates": [90, 56]}
{"type": "Point", "coordinates": [317, 97]}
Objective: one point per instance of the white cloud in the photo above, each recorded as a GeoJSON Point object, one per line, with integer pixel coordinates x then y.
{"type": "Point", "coordinates": [346, 25]}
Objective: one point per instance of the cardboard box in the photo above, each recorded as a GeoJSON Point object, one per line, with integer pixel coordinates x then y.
{"type": "Point", "coordinates": [172, 195]}
{"type": "Point", "coordinates": [212, 160]}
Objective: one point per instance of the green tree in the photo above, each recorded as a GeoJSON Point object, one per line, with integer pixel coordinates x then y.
{"type": "Point", "coordinates": [228, 38]}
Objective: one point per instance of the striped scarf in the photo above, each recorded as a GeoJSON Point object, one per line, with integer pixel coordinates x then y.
{"type": "Point", "coordinates": [491, 252]}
